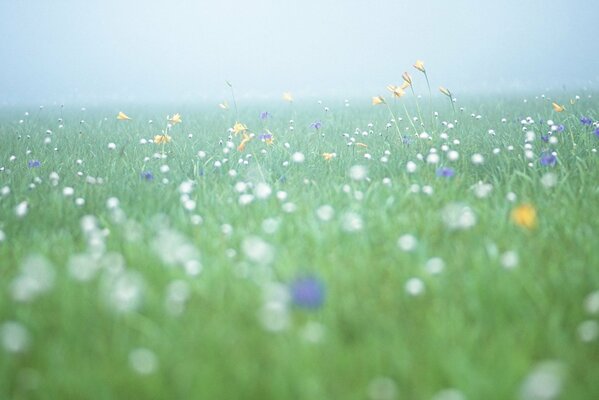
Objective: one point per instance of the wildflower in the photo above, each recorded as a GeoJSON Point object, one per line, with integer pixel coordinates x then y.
{"type": "Point", "coordinates": [396, 90]}
{"type": "Point", "coordinates": [175, 119]}
{"type": "Point", "coordinates": [316, 125]}
{"type": "Point", "coordinates": [359, 144]}
{"type": "Point", "coordinates": [407, 78]}
{"type": "Point", "coordinates": [586, 121]}
{"type": "Point", "coordinates": [288, 97]}
{"type": "Point", "coordinates": [596, 132]}
{"type": "Point", "coordinates": [147, 175]}
{"type": "Point", "coordinates": [445, 172]}
{"type": "Point", "coordinates": [267, 138]}
{"type": "Point", "coordinates": [548, 160]}
{"type": "Point", "coordinates": [419, 65]}
{"type": "Point", "coordinates": [162, 139]}
{"type": "Point", "coordinates": [122, 116]}
{"type": "Point", "coordinates": [378, 100]}
{"type": "Point", "coordinates": [34, 164]}
{"type": "Point", "coordinates": [239, 128]}
{"type": "Point", "coordinates": [525, 215]}
{"type": "Point", "coordinates": [224, 105]}
{"type": "Point", "coordinates": [557, 107]}
{"type": "Point", "coordinates": [328, 156]}
{"type": "Point", "coordinates": [264, 115]}
{"type": "Point", "coordinates": [404, 86]}
{"type": "Point", "coordinates": [307, 292]}
{"type": "Point", "coordinates": [445, 91]}
{"type": "Point", "coordinates": [245, 139]}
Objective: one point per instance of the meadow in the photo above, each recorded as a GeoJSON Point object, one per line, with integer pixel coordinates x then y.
{"type": "Point", "coordinates": [301, 249]}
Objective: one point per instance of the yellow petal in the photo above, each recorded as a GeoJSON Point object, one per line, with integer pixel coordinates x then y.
{"type": "Point", "coordinates": [445, 91]}
{"type": "Point", "coordinates": [175, 119]}
{"type": "Point", "coordinates": [377, 100]}
{"type": "Point", "coordinates": [407, 78]}
{"type": "Point", "coordinates": [239, 128]}
{"type": "Point", "coordinates": [557, 107]}
{"type": "Point", "coordinates": [419, 65]}
{"type": "Point", "coordinates": [525, 215]}
{"type": "Point", "coordinates": [288, 97]}
{"type": "Point", "coordinates": [122, 116]}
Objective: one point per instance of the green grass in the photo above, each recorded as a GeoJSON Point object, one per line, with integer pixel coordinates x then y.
{"type": "Point", "coordinates": [478, 327]}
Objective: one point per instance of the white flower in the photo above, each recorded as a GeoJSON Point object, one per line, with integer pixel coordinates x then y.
{"type": "Point", "coordinates": [358, 172]}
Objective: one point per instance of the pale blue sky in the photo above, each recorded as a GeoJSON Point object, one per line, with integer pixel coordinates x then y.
{"type": "Point", "coordinates": [57, 50]}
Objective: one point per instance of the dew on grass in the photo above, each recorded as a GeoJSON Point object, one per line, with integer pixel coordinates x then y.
{"type": "Point", "coordinates": [544, 382]}
{"type": "Point", "coordinates": [458, 216]}
{"type": "Point", "coordinates": [36, 277]}
{"type": "Point", "coordinates": [382, 388]}
{"type": "Point", "coordinates": [143, 361]}
{"type": "Point", "coordinates": [15, 338]}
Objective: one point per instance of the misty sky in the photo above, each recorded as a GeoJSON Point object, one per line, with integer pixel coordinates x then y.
{"type": "Point", "coordinates": [182, 50]}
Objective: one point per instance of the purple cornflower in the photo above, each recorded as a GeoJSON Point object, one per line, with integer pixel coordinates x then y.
{"type": "Point", "coordinates": [596, 132]}
{"type": "Point", "coordinates": [34, 164]}
{"type": "Point", "coordinates": [147, 175]}
{"type": "Point", "coordinates": [445, 172]}
{"type": "Point", "coordinates": [560, 128]}
{"type": "Point", "coordinates": [548, 160]}
{"type": "Point", "coordinates": [265, 136]}
{"type": "Point", "coordinates": [307, 292]}
{"type": "Point", "coordinates": [545, 138]}
{"type": "Point", "coordinates": [316, 125]}
{"type": "Point", "coordinates": [586, 121]}
{"type": "Point", "coordinates": [264, 115]}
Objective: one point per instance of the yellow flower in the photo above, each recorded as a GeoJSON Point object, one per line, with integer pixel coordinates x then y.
{"type": "Point", "coordinates": [572, 102]}
{"type": "Point", "coordinates": [396, 90]}
{"type": "Point", "coordinates": [328, 156]}
{"type": "Point", "coordinates": [175, 119]}
{"type": "Point", "coordinates": [122, 116]}
{"type": "Point", "coordinates": [525, 215]}
{"type": "Point", "coordinates": [557, 107]}
{"type": "Point", "coordinates": [224, 105]}
{"type": "Point", "coordinates": [162, 139]}
{"type": "Point", "coordinates": [246, 138]}
{"type": "Point", "coordinates": [419, 65]}
{"type": "Point", "coordinates": [407, 78]}
{"type": "Point", "coordinates": [288, 97]}
{"type": "Point", "coordinates": [445, 91]}
{"type": "Point", "coordinates": [239, 128]}
{"type": "Point", "coordinates": [378, 100]}
{"type": "Point", "coordinates": [404, 86]}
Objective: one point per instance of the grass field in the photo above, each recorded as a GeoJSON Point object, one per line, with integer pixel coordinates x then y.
{"type": "Point", "coordinates": [460, 264]}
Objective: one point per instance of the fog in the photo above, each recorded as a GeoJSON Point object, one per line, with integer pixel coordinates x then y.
{"type": "Point", "coordinates": [183, 50]}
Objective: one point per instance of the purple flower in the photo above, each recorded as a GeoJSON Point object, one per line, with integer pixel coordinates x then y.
{"type": "Point", "coordinates": [34, 164]}
{"type": "Point", "coordinates": [264, 115]}
{"type": "Point", "coordinates": [445, 172]}
{"type": "Point", "coordinates": [545, 138]}
{"type": "Point", "coordinates": [586, 121]}
{"type": "Point", "coordinates": [560, 128]}
{"type": "Point", "coordinates": [147, 175]}
{"type": "Point", "coordinates": [596, 132]}
{"type": "Point", "coordinates": [265, 136]}
{"type": "Point", "coordinates": [307, 292]}
{"type": "Point", "coordinates": [316, 125]}
{"type": "Point", "coordinates": [548, 160]}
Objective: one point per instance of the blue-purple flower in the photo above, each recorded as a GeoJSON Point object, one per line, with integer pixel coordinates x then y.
{"type": "Point", "coordinates": [316, 125]}
{"type": "Point", "coordinates": [445, 172]}
{"type": "Point", "coordinates": [596, 132]}
{"type": "Point", "coordinates": [560, 128]}
{"type": "Point", "coordinates": [586, 121]}
{"type": "Point", "coordinates": [34, 164]}
{"type": "Point", "coordinates": [147, 175]}
{"type": "Point", "coordinates": [264, 115]}
{"type": "Point", "coordinates": [307, 292]}
{"type": "Point", "coordinates": [548, 160]}
{"type": "Point", "coordinates": [545, 138]}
